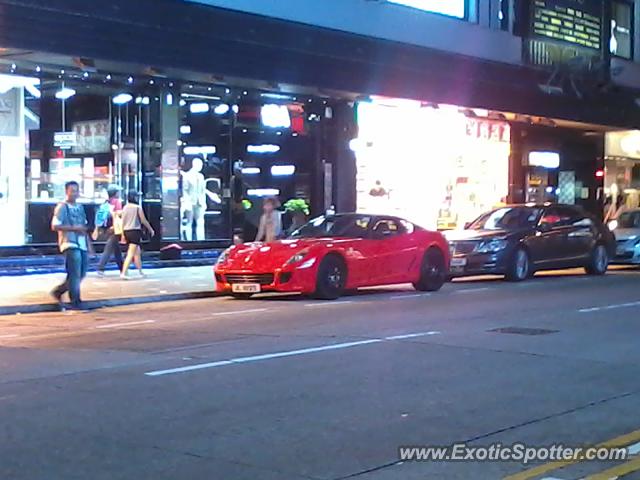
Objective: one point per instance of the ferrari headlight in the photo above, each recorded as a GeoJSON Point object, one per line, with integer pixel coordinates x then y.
{"type": "Point", "coordinates": [613, 224]}
{"type": "Point", "coordinates": [298, 257]}
{"type": "Point", "coordinates": [492, 246]}
{"type": "Point", "coordinates": [224, 256]}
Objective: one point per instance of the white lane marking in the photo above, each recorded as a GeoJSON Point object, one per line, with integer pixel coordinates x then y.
{"type": "Point", "coordinates": [412, 335]}
{"type": "Point", "coordinates": [609, 307]}
{"type": "Point", "coordinates": [290, 353]}
{"type": "Point", "coordinates": [117, 325]}
{"type": "Point", "coordinates": [9, 336]}
{"type": "Point", "coordinates": [634, 449]}
{"type": "Point", "coordinates": [472, 290]}
{"type": "Point", "coordinates": [410, 295]}
{"type": "Point", "coordinates": [322, 304]}
{"type": "Point", "coordinates": [240, 312]}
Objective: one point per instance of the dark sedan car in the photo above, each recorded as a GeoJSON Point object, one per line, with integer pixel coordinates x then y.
{"type": "Point", "coordinates": [518, 240]}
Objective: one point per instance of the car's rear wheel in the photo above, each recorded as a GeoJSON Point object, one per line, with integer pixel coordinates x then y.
{"type": "Point", "coordinates": [242, 296]}
{"type": "Point", "coordinates": [332, 278]}
{"type": "Point", "coordinates": [598, 261]}
{"type": "Point", "coordinates": [433, 272]}
{"type": "Point", "coordinates": [519, 268]}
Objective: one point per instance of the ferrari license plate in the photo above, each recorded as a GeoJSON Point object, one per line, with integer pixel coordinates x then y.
{"type": "Point", "coordinates": [245, 288]}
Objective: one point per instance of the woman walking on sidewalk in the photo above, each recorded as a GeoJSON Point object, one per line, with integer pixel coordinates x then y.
{"type": "Point", "coordinates": [109, 229]}
{"type": "Point", "coordinates": [133, 220]}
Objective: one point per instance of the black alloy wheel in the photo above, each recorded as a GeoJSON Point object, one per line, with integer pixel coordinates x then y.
{"type": "Point", "coordinates": [332, 278]}
{"type": "Point", "coordinates": [433, 271]}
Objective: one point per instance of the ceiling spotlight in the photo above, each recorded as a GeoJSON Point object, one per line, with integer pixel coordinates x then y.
{"type": "Point", "coordinates": [65, 93]}
{"type": "Point", "coordinates": [122, 98]}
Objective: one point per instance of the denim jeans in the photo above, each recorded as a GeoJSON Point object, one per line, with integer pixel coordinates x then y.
{"type": "Point", "coordinates": [112, 247]}
{"type": "Point", "coordinates": [76, 264]}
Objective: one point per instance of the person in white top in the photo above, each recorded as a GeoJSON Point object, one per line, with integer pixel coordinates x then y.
{"type": "Point", "coordinates": [270, 222]}
{"type": "Point", "coordinates": [133, 220]}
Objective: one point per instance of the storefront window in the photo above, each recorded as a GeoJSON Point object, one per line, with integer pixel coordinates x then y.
{"type": "Point", "coordinates": [430, 164]}
{"type": "Point", "coordinates": [622, 21]}
{"type": "Point", "coordinates": [238, 148]}
{"type": "Point", "coordinates": [95, 134]}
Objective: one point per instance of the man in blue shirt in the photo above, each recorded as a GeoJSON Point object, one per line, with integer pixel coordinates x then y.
{"type": "Point", "coordinates": [70, 222]}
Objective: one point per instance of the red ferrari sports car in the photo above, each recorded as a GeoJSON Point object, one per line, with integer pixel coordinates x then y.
{"type": "Point", "coordinates": [336, 253]}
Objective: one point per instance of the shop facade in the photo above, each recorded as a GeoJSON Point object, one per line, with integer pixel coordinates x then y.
{"type": "Point", "coordinates": [201, 157]}
{"type": "Point", "coordinates": [207, 115]}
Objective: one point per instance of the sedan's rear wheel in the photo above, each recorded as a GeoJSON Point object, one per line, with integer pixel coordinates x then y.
{"type": "Point", "coordinates": [520, 267]}
{"type": "Point", "coordinates": [433, 272]}
{"type": "Point", "coordinates": [332, 278]}
{"type": "Point", "coordinates": [599, 261]}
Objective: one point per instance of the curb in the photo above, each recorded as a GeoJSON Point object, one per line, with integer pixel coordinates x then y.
{"type": "Point", "coordinates": [114, 302]}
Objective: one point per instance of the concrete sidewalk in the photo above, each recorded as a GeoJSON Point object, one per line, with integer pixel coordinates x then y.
{"type": "Point", "coordinates": [30, 293]}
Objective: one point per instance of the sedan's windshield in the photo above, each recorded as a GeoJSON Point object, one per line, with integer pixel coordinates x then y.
{"type": "Point", "coordinates": [349, 226]}
{"type": "Point", "coordinates": [508, 218]}
{"type": "Point", "coordinates": [629, 220]}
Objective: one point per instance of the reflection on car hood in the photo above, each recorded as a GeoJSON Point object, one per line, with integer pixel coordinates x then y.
{"type": "Point", "coordinates": [466, 235]}
{"type": "Point", "coordinates": [626, 233]}
{"type": "Point", "coordinates": [266, 257]}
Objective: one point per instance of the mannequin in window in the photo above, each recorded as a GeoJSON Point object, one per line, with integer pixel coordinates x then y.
{"type": "Point", "coordinates": [613, 43]}
{"type": "Point", "coordinates": [194, 201]}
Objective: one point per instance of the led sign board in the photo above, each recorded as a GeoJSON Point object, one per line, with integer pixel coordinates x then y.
{"type": "Point", "coordinates": [575, 22]}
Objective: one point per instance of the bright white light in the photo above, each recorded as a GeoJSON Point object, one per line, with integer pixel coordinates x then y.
{"type": "Point", "coordinates": [275, 116]}
{"type": "Point", "coordinates": [613, 224]}
{"type": "Point", "coordinates": [453, 8]}
{"type": "Point", "coordinates": [251, 170]}
{"type": "Point", "coordinates": [282, 170]}
{"type": "Point", "coordinates": [65, 93]}
{"type": "Point", "coordinates": [354, 144]}
{"type": "Point", "coordinates": [275, 96]}
{"type": "Point", "coordinates": [544, 159]}
{"type": "Point", "coordinates": [185, 129]}
{"type": "Point", "coordinates": [169, 99]}
{"type": "Point", "coordinates": [259, 149]}
{"type": "Point", "coordinates": [204, 150]}
{"type": "Point", "coordinates": [199, 107]}
{"type": "Point", "coordinates": [236, 109]}
{"type": "Point", "coordinates": [549, 189]}
{"type": "Point", "coordinates": [263, 192]}
{"type": "Point", "coordinates": [122, 98]}
{"type": "Point", "coordinates": [221, 109]}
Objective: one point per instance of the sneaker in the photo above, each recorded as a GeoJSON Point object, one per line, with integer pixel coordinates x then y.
{"type": "Point", "coordinates": [58, 298]}
{"type": "Point", "coordinates": [123, 277]}
{"type": "Point", "coordinates": [78, 307]}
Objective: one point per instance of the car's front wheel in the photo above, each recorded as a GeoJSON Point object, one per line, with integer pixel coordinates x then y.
{"type": "Point", "coordinates": [598, 262]}
{"type": "Point", "coordinates": [519, 268]}
{"type": "Point", "coordinates": [332, 278]}
{"type": "Point", "coordinates": [433, 272]}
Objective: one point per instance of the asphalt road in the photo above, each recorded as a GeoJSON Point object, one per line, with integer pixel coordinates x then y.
{"type": "Point", "coordinates": [285, 388]}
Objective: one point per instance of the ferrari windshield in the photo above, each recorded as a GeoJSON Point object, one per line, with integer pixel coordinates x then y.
{"type": "Point", "coordinates": [347, 226]}
{"type": "Point", "coordinates": [508, 218]}
{"type": "Point", "coordinates": [629, 220]}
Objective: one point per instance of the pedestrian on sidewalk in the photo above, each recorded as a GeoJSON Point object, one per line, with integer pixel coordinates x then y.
{"type": "Point", "coordinates": [109, 229]}
{"type": "Point", "coordinates": [133, 220]}
{"type": "Point", "coordinates": [70, 222]}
